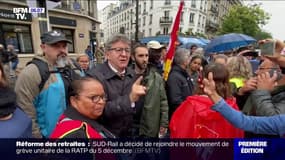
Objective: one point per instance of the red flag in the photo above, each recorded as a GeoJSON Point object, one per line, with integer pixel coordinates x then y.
{"type": "Point", "coordinates": [172, 43]}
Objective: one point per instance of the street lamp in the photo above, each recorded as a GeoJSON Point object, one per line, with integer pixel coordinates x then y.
{"type": "Point", "coordinates": [43, 17]}
{"type": "Point", "coordinates": [131, 26]}
{"type": "Point", "coordinates": [137, 21]}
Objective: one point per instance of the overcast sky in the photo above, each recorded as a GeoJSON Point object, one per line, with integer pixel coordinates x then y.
{"type": "Point", "coordinates": [276, 9]}
{"type": "Point", "coordinates": [103, 3]}
{"type": "Point", "coordinates": [276, 24]}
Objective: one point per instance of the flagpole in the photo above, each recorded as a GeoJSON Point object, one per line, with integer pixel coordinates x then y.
{"type": "Point", "coordinates": [172, 43]}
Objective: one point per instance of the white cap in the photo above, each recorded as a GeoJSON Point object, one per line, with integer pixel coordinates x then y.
{"type": "Point", "coordinates": [154, 45]}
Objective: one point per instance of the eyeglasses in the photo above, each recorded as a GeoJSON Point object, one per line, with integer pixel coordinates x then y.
{"type": "Point", "coordinates": [261, 68]}
{"type": "Point", "coordinates": [83, 61]}
{"type": "Point", "coordinates": [120, 50]}
{"type": "Point", "coordinates": [96, 98]}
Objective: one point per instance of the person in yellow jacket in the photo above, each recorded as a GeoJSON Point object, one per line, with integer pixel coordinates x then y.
{"type": "Point", "coordinates": [240, 70]}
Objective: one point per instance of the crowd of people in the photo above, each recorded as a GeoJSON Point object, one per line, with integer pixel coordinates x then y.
{"type": "Point", "coordinates": [126, 96]}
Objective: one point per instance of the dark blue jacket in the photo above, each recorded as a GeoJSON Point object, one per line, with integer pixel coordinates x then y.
{"type": "Point", "coordinates": [19, 126]}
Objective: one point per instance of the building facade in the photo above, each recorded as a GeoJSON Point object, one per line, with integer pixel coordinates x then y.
{"type": "Point", "coordinates": [156, 17]}
{"type": "Point", "coordinates": [103, 16]}
{"type": "Point", "coordinates": [217, 9]}
{"type": "Point", "coordinates": [71, 17]}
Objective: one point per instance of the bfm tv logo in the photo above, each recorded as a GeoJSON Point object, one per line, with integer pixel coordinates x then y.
{"type": "Point", "coordinates": [21, 12]}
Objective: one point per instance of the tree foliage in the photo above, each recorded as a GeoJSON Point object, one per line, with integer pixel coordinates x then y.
{"type": "Point", "coordinates": [245, 19]}
{"type": "Point", "coordinates": [262, 35]}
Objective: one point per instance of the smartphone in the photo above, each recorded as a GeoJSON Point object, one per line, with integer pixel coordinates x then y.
{"type": "Point", "coordinates": [200, 79]}
{"type": "Point", "coordinates": [267, 48]}
{"type": "Point", "coordinates": [279, 74]}
{"type": "Point", "coordinates": [258, 52]}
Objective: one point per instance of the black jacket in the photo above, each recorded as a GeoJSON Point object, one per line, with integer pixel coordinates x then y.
{"type": "Point", "coordinates": [178, 87]}
{"type": "Point", "coordinates": [118, 113]}
{"type": "Point", "coordinates": [4, 56]}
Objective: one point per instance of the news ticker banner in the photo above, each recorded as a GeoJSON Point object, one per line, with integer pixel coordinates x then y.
{"type": "Point", "coordinates": [237, 149]}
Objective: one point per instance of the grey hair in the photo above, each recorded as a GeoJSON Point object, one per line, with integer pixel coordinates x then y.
{"type": "Point", "coordinates": [181, 55]}
{"type": "Point", "coordinates": [117, 38]}
{"type": "Point", "coordinates": [221, 56]}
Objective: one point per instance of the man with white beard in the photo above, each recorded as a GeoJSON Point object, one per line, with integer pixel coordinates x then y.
{"type": "Point", "coordinates": [42, 85]}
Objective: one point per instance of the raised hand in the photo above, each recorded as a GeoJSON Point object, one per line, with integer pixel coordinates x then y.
{"type": "Point", "coordinates": [265, 82]}
{"type": "Point", "coordinates": [137, 90]}
{"type": "Point", "coordinates": [249, 85]}
{"type": "Point", "coordinates": [209, 87]}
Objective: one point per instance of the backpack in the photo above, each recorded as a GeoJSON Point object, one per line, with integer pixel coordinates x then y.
{"type": "Point", "coordinates": [43, 69]}
{"type": "Point", "coordinates": [67, 73]}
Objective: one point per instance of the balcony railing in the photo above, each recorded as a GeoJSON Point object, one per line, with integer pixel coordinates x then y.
{"type": "Point", "coordinates": [165, 20]}
{"type": "Point", "coordinates": [167, 3]}
{"type": "Point", "coordinates": [211, 24]}
{"type": "Point", "coordinates": [214, 9]}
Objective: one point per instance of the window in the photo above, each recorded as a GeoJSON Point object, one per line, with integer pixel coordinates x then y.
{"type": "Point", "coordinates": [151, 4]}
{"type": "Point", "coordinates": [150, 19]}
{"type": "Point", "coordinates": [191, 18]}
{"type": "Point", "coordinates": [201, 5]}
{"type": "Point", "coordinates": [143, 21]}
{"type": "Point", "coordinates": [69, 35]}
{"type": "Point", "coordinates": [144, 7]}
{"type": "Point", "coordinates": [149, 32]}
{"type": "Point", "coordinates": [199, 21]}
{"type": "Point", "coordinates": [165, 30]}
{"type": "Point", "coordinates": [167, 2]}
{"type": "Point", "coordinates": [166, 13]}
{"type": "Point", "coordinates": [193, 4]}
{"type": "Point", "coordinates": [19, 36]}
{"type": "Point", "coordinates": [181, 18]}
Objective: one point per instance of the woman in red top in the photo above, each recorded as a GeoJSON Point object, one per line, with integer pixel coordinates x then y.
{"type": "Point", "coordinates": [86, 104]}
{"type": "Point", "coordinates": [194, 117]}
